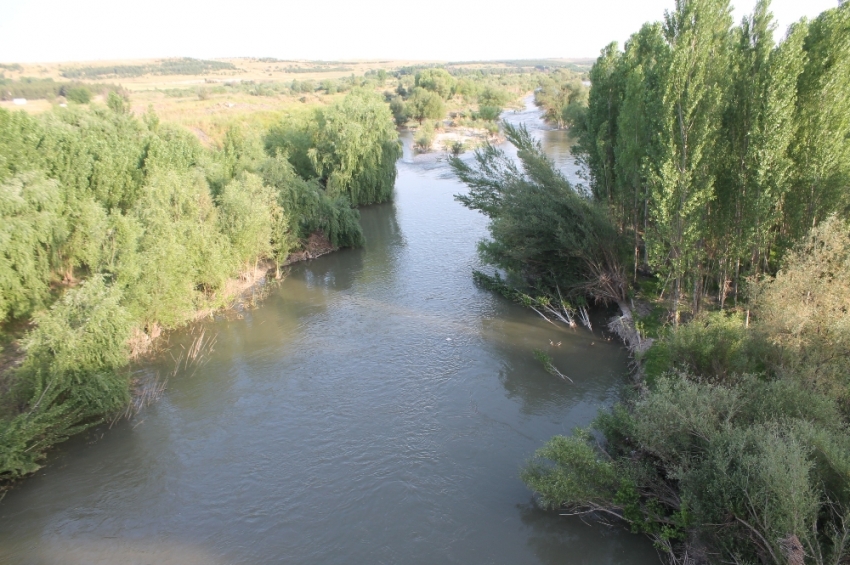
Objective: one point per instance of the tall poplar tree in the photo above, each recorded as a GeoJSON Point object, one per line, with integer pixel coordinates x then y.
{"type": "Point", "coordinates": [758, 127]}
{"type": "Point", "coordinates": [597, 137]}
{"type": "Point", "coordinates": [821, 148]}
{"type": "Point", "coordinates": [637, 144]}
{"type": "Point", "coordinates": [683, 183]}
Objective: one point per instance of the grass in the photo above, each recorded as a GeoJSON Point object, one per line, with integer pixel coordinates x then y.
{"type": "Point", "coordinates": [207, 105]}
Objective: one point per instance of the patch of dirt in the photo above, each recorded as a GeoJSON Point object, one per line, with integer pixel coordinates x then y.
{"type": "Point", "coordinates": [316, 246]}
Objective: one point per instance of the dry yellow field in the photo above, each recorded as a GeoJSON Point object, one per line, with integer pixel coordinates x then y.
{"type": "Point", "coordinates": [202, 102]}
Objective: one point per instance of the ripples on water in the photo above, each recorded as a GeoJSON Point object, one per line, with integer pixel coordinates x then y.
{"type": "Point", "coordinates": [376, 408]}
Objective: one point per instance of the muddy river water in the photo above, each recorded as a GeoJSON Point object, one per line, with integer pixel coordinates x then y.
{"type": "Point", "coordinates": [375, 408]}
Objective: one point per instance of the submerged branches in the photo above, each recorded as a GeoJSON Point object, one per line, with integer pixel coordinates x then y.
{"type": "Point", "coordinates": [546, 360]}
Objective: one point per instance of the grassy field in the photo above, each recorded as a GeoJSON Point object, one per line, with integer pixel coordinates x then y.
{"type": "Point", "coordinates": [252, 92]}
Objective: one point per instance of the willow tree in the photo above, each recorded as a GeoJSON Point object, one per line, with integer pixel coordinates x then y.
{"type": "Point", "coordinates": [250, 216]}
{"type": "Point", "coordinates": [683, 181]}
{"type": "Point", "coordinates": [31, 228]}
{"type": "Point", "coordinates": [356, 148]}
{"type": "Point", "coordinates": [544, 231]}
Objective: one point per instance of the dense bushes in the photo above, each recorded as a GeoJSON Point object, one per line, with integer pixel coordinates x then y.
{"type": "Point", "coordinates": [154, 225]}
{"type": "Point", "coordinates": [739, 446]}
{"type": "Point", "coordinates": [71, 375]}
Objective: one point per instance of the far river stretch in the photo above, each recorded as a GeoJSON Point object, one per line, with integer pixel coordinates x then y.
{"type": "Point", "coordinates": [375, 408]}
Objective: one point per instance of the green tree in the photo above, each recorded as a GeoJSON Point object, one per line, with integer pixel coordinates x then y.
{"type": "Point", "coordinates": [310, 208]}
{"type": "Point", "coordinates": [682, 185]}
{"type": "Point", "coordinates": [438, 81]}
{"type": "Point", "coordinates": [638, 145]}
{"type": "Point", "coordinates": [821, 147]}
{"type": "Point", "coordinates": [597, 137]}
{"type": "Point", "coordinates": [399, 110]}
{"type": "Point", "coordinates": [758, 129]}
{"type": "Point", "coordinates": [32, 226]}
{"type": "Point", "coordinates": [70, 377]}
{"type": "Point", "coordinates": [543, 231]}
{"type": "Point", "coordinates": [356, 148]}
{"type": "Point", "coordinates": [425, 105]}
{"type": "Point", "coordinates": [251, 218]}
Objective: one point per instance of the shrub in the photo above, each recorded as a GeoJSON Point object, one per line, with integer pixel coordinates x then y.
{"type": "Point", "coordinates": [713, 346]}
{"type": "Point", "coordinates": [749, 465]}
{"type": "Point", "coordinates": [70, 377]}
{"type": "Point", "coordinates": [805, 309]}
{"type": "Point", "coordinates": [79, 94]}
{"type": "Point", "coordinates": [424, 139]}
{"type": "Point", "coordinates": [488, 113]}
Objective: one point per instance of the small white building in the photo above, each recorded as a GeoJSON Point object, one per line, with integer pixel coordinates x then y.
{"type": "Point", "coordinates": [19, 101]}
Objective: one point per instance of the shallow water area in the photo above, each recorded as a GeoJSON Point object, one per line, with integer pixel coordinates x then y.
{"type": "Point", "coordinates": [375, 408]}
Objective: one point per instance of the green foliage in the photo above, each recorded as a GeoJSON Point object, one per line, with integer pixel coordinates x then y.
{"type": "Point", "coordinates": [563, 98]}
{"type": "Point", "coordinates": [399, 110]}
{"type": "Point", "coordinates": [713, 147]}
{"type": "Point", "coordinates": [250, 217]}
{"type": "Point", "coordinates": [713, 346]}
{"type": "Point", "coordinates": [31, 227]}
{"type": "Point", "coordinates": [493, 96]}
{"type": "Point", "coordinates": [821, 147]}
{"type": "Point", "coordinates": [805, 309]}
{"type": "Point", "coordinates": [181, 254]}
{"type": "Point", "coordinates": [424, 138]}
{"type": "Point", "coordinates": [294, 138]}
{"type": "Point", "coordinates": [438, 81]}
{"type": "Point", "coordinates": [78, 94]}
{"type": "Point", "coordinates": [738, 462]}
{"type": "Point", "coordinates": [456, 148]}
{"type": "Point", "coordinates": [116, 103]}
{"type": "Point", "coordinates": [488, 113]}
{"type": "Point", "coordinates": [425, 105]}
{"type": "Point", "coordinates": [543, 230]}
{"type": "Point", "coordinates": [70, 377]}
{"type": "Point", "coordinates": [310, 204]}
{"type": "Point", "coordinates": [741, 436]}
{"type": "Point", "coordinates": [356, 147]}
{"type": "Point", "coordinates": [155, 224]}
{"type": "Point", "coordinates": [351, 147]}
{"type": "Point", "coordinates": [569, 469]}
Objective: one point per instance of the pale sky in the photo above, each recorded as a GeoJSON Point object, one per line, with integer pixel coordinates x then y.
{"type": "Point", "coordinates": [454, 30]}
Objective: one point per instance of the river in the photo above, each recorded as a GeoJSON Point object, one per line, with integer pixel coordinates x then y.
{"type": "Point", "coordinates": [375, 408]}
